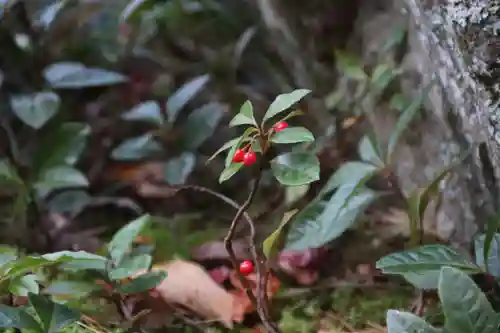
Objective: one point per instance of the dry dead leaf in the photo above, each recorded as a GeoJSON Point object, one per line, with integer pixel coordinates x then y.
{"type": "Point", "coordinates": [190, 286]}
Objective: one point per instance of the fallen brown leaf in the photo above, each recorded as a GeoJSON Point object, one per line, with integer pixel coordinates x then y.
{"type": "Point", "coordinates": [189, 285]}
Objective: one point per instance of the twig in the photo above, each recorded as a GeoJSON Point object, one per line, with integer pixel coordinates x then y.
{"type": "Point", "coordinates": [259, 302]}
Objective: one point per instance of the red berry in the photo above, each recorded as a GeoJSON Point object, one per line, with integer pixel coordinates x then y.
{"type": "Point", "coordinates": [246, 267]}
{"type": "Point", "coordinates": [249, 158]}
{"type": "Point", "coordinates": [239, 156]}
{"type": "Point", "coordinates": [279, 126]}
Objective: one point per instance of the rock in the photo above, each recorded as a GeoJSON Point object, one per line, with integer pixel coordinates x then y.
{"type": "Point", "coordinates": [459, 42]}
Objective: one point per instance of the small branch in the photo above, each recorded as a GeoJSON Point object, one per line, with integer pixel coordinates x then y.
{"type": "Point", "coordinates": [259, 301]}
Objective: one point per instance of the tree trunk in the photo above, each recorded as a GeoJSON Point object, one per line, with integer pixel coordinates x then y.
{"type": "Point", "coordinates": [459, 42]}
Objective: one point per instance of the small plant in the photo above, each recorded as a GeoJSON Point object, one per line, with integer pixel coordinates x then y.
{"type": "Point", "coordinates": [34, 280]}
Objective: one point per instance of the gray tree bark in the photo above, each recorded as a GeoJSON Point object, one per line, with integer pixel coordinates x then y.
{"type": "Point", "coordinates": [459, 42]}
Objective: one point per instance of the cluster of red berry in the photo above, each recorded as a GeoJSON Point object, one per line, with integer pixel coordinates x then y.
{"type": "Point", "coordinates": [249, 157]}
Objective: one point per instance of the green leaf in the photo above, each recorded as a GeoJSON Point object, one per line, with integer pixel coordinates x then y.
{"type": "Point", "coordinates": [60, 177]}
{"type": "Point", "coordinates": [399, 102]}
{"type": "Point", "coordinates": [63, 145]}
{"type": "Point", "coordinates": [8, 172]}
{"type": "Point", "coordinates": [224, 147]}
{"type": "Point", "coordinates": [75, 289]}
{"type": "Point", "coordinates": [350, 66]}
{"type": "Point", "coordinates": [275, 242]}
{"type": "Point", "coordinates": [130, 266]}
{"type": "Point", "coordinates": [133, 9]}
{"type": "Point", "coordinates": [293, 135]}
{"type": "Point", "coordinates": [22, 285]}
{"type": "Point", "coordinates": [425, 258]}
{"type": "Point", "coordinates": [419, 201]}
{"type": "Point", "coordinates": [73, 75]}
{"type": "Point", "coordinates": [490, 259]}
{"type": "Point", "coordinates": [124, 238]}
{"type": "Point", "coordinates": [491, 232]}
{"type": "Point", "coordinates": [136, 148]}
{"type": "Point", "coordinates": [382, 75]}
{"type": "Point", "coordinates": [35, 109]}
{"type": "Point", "coordinates": [229, 172]}
{"type": "Point", "coordinates": [245, 116]}
{"type": "Point", "coordinates": [284, 102]}
{"type": "Point", "coordinates": [143, 282]}
{"type": "Point", "coordinates": [405, 119]}
{"type": "Point", "coordinates": [147, 111]}
{"type": "Point", "coordinates": [405, 322]}
{"type": "Point", "coordinates": [369, 153]}
{"type": "Point", "coordinates": [17, 318]}
{"type": "Point", "coordinates": [295, 168]}
{"type": "Point", "coordinates": [322, 222]}
{"type": "Point", "coordinates": [53, 317]}
{"type": "Point", "coordinates": [201, 124]}
{"type": "Point", "coordinates": [466, 308]}
{"type": "Point", "coordinates": [184, 94]}
{"type": "Point", "coordinates": [349, 174]}
{"type": "Point", "coordinates": [295, 193]}
{"type": "Point", "coordinates": [179, 168]}
{"type": "Point", "coordinates": [64, 256]}
{"type": "Point", "coordinates": [7, 255]}
{"type": "Point", "coordinates": [22, 265]}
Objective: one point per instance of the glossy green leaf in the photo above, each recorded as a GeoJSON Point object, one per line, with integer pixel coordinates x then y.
{"type": "Point", "coordinates": [405, 322]}
{"type": "Point", "coordinates": [63, 145]}
{"type": "Point", "coordinates": [419, 201]}
{"type": "Point", "coordinates": [7, 255]}
{"type": "Point", "coordinates": [178, 169]}
{"type": "Point", "coordinates": [283, 102]}
{"type": "Point", "coordinates": [143, 282]}
{"type": "Point", "coordinates": [425, 258]}
{"type": "Point", "coordinates": [295, 168]}
{"type": "Point", "coordinates": [488, 259]}
{"type": "Point", "coordinates": [201, 125]}
{"type": "Point", "coordinates": [369, 152]}
{"type": "Point", "coordinates": [73, 75]}
{"type": "Point", "coordinates": [60, 177]}
{"type": "Point", "coordinates": [11, 317]}
{"type": "Point", "coordinates": [293, 135]}
{"type": "Point", "coordinates": [53, 317]}
{"type": "Point", "coordinates": [491, 233]}
{"type": "Point", "coordinates": [382, 76]}
{"type": "Point", "coordinates": [136, 148]}
{"type": "Point", "coordinates": [35, 109]}
{"type": "Point", "coordinates": [133, 9]}
{"type": "Point", "coordinates": [229, 171]}
{"type": "Point", "coordinates": [350, 174]}
{"type": "Point", "coordinates": [23, 265]}
{"type": "Point", "coordinates": [399, 102]}
{"type": "Point", "coordinates": [295, 193]}
{"type": "Point", "coordinates": [22, 285]}
{"type": "Point", "coordinates": [224, 147]}
{"type": "Point", "coordinates": [71, 255]}
{"type": "Point", "coordinates": [146, 111]}
{"type": "Point", "coordinates": [322, 221]}
{"type": "Point", "coordinates": [124, 238]}
{"type": "Point", "coordinates": [75, 289]}
{"type": "Point", "coordinates": [245, 116]}
{"type": "Point", "coordinates": [130, 265]}
{"type": "Point", "coordinates": [465, 306]}
{"type": "Point", "coordinates": [8, 172]}
{"type": "Point", "coordinates": [275, 242]}
{"type": "Point", "coordinates": [405, 119]}
{"type": "Point", "coordinates": [184, 95]}
{"type": "Point", "coordinates": [350, 65]}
